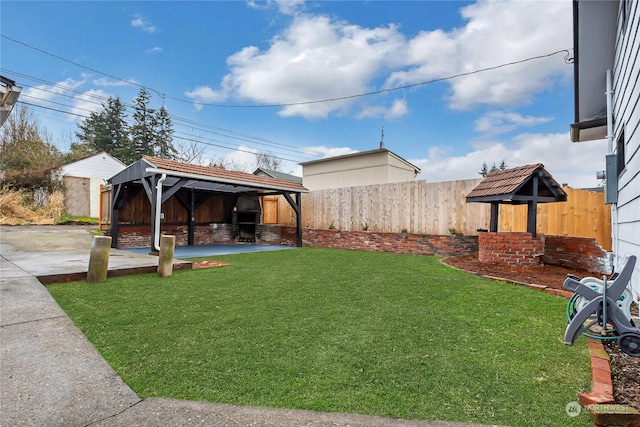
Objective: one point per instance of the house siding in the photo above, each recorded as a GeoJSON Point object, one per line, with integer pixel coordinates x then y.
{"type": "Point", "coordinates": [380, 167]}
{"type": "Point", "coordinates": [626, 113]}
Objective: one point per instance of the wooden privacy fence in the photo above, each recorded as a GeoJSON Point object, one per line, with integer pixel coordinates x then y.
{"type": "Point", "coordinates": [439, 208]}
{"type": "Point", "coordinates": [105, 208]}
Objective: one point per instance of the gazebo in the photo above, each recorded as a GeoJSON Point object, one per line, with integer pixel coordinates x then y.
{"type": "Point", "coordinates": [529, 185]}
{"type": "Point", "coordinates": [201, 204]}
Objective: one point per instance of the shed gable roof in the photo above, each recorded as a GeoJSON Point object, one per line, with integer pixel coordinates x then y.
{"type": "Point", "coordinates": [363, 154]}
{"type": "Point", "coordinates": [277, 174]}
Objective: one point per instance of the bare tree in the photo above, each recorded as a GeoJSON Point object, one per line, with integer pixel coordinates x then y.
{"type": "Point", "coordinates": [190, 153]}
{"type": "Point", "coordinates": [268, 161]}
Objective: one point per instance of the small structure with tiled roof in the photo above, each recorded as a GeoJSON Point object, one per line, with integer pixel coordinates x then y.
{"type": "Point", "coordinates": [530, 185]}
{"type": "Point", "coordinates": [277, 174]}
{"type": "Point", "coordinates": [196, 195]}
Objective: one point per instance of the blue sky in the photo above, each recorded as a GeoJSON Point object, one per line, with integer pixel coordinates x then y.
{"type": "Point", "coordinates": [221, 66]}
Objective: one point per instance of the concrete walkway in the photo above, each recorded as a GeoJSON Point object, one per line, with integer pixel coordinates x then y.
{"type": "Point", "coordinates": [50, 375]}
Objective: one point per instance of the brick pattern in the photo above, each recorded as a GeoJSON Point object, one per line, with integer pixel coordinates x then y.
{"type": "Point", "coordinates": [401, 243]}
{"type": "Point", "coordinates": [271, 234]}
{"type": "Point", "coordinates": [600, 402]}
{"type": "Point", "coordinates": [576, 252]}
{"type": "Point", "coordinates": [216, 233]}
{"type": "Point", "coordinates": [139, 236]}
{"type": "Point", "coordinates": [134, 236]}
{"type": "Point", "coordinates": [515, 249]}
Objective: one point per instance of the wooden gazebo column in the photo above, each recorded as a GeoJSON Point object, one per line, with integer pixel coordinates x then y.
{"type": "Point", "coordinates": [297, 207]}
{"type": "Point", "coordinates": [493, 221]}
{"type": "Point", "coordinates": [532, 207]}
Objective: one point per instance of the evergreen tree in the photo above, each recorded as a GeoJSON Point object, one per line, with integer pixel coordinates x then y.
{"type": "Point", "coordinates": [106, 130]}
{"type": "Point", "coordinates": [485, 170]}
{"type": "Point", "coordinates": [143, 132]}
{"type": "Point", "coordinates": [164, 136]}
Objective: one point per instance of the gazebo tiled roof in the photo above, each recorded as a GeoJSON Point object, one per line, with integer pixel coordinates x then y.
{"type": "Point", "coordinates": [224, 174]}
{"type": "Point", "coordinates": [530, 185]}
{"type": "Point", "coordinates": [514, 186]}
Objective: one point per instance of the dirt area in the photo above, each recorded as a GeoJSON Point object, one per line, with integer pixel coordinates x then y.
{"type": "Point", "coordinates": [625, 370]}
{"type": "Point", "coordinates": [551, 276]}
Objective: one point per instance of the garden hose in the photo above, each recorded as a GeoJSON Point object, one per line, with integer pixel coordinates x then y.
{"type": "Point", "coordinates": [609, 334]}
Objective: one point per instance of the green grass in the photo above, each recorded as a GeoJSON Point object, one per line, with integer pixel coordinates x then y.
{"type": "Point", "coordinates": [66, 219]}
{"type": "Point", "coordinates": [342, 331]}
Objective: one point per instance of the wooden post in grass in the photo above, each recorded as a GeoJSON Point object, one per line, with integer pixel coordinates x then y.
{"type": "Point", "coordinates": [165, 257]}
{"type": "Point", "coordinates": [99, 259]}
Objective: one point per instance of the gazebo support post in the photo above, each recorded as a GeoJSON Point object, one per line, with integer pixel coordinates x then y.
{"type": "Point", "coordinates": [152, 199]}
{"type": "Point", "coordinates": [297, 207]}
{"type": "Point", "coordinates": [299, 220]}
{"type": "Point", "coordinates": [532, 208]}
{"type": "Point", "coordinates": [115, 213]}
{"type": "Point", "coordinates": [192, 217]}
{"type": "Point", "coordinates": [493, 221]}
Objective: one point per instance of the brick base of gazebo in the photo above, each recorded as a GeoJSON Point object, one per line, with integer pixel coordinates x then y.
{"type": "Point", "coordinates": [513, 249]}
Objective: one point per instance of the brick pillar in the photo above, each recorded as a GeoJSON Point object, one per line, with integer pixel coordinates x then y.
{"type": "Point", "coordinates": [514, 249]}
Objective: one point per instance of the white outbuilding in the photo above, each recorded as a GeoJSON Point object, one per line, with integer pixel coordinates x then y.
{"type": "Point", "coordinates": [82, 180]}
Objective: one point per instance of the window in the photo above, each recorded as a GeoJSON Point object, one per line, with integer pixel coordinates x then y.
{"type": "Point", "coordinates": [620, 153]}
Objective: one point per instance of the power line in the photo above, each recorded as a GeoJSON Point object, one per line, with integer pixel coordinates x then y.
{"type": "Point", "coordinates": [567, 59]}
{"type": "Point", "coordinates": [51, 109]}
{"type": "Point", "coordinates": [189, 123]}
{"type": "Point", "coordinates": [178, 121]}
{"type": "Point", "coordinates": [177, 134]}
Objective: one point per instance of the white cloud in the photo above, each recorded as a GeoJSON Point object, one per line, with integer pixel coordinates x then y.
{"type": "Point", "coordinates": [324, 151]}
{"type": "Point", "coordinates": [205, 94]}
{"type": "Point", "coordinates": [83, 103]}
{"type": "Point", "coordinates": [572, 163]}
{"type": "Point", "coordinates": [286, 7]}
{"type": "Point", "coordinates": [154, 50]}
{"type": "Point", "coordinates": [498, 122]}
{"type": "Point", "coordinates": [243, 159]}
{"type": "Point", "coordinates": [496, 32]}
{"type": "Point", "coordinates": [399, 108]}
{"type": "Point", "coordinates": [105, 82]}
{"type": "Point", "coordinates": [318, 58]}
{"type": "Point", "coordinates": [90, 100]}
{"type": "Point", "coordinates": [314, 58]}
{"type": "Point", "coordinates": [43, 93]}
{"type": "Point", "coordinates": [144, 24]}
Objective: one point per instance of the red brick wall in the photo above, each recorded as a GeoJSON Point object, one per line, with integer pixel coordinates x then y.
{"type": "Point", "coordinates": [134, 236]}
{"type": "Point", "coordinates": [576, 252]}
{"type": "Point", "coordinates": [517, 249]}
{"type": "Point", "coordinates": [270, 234]}
{"type": "Point", "coordinates": [401, 243]}
{"type": "Point", "coordinates": [139, 236]}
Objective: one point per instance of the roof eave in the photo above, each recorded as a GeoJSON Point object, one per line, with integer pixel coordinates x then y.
{"type": "Point", "coordinates": [155, 170]}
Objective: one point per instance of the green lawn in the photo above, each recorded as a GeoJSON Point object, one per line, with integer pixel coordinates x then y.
{"type": "Point", "coordinates": [342, 331]}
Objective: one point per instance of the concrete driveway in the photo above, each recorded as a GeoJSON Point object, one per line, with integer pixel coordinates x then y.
{"type": "Point", "coordinates": [50, 375]}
